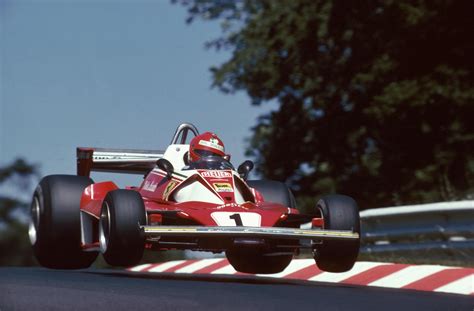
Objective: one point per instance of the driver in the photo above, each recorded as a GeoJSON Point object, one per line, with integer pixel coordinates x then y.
{"type": "Point", "coordinates": [204, 145]}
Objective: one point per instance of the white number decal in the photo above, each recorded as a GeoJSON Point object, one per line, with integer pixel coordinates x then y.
{"type": "Point", "coordinates": [233, 219]}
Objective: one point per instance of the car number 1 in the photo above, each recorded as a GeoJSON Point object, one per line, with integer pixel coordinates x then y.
{"type": "Point", "coordinates": [233, 219]}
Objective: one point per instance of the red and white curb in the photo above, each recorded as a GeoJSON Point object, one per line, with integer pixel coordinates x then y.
{"type": "Point", "coordinates": [419, 277]}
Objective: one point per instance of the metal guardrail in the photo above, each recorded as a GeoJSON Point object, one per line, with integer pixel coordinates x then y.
{"type": "Point", "coordinates": [435, 227]}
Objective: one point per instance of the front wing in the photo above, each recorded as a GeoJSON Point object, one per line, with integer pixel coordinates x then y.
{"type": "Point", "coordinates": [248, 232]}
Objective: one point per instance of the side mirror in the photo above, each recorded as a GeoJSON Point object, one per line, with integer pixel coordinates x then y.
{"type": "Point", "coordinates": [244, 169]}
{"type": "Point", "coordinates": [166, 166]}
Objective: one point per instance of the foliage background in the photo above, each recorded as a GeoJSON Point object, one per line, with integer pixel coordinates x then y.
{"type": "Point", "coordinates": [375, 98]}
{"type": "Point", "coordinates": [14, 244]}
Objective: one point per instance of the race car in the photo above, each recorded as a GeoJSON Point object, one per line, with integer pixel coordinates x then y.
{"type": "Point", "coordinates": [206, 206]}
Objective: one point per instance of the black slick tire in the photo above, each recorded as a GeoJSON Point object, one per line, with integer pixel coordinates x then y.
{"type": "Point", "coordinates": [54, 229]}
{"type": "Point", "coordinates": [340, 212]}
{"type": "Point", "coordinates": [274, 191]}
{"type": "Point", "coordinates": [255, 262]}
{"type": "Point", "coordinates": [120, 237]}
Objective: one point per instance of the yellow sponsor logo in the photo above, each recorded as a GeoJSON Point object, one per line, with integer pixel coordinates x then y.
{"type": "Point", "coordinates": [169, 187]}
{"type": "Point", "coordinates": [223, 187]}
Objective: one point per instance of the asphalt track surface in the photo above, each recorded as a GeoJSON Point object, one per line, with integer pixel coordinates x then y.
{"type": "Point", "coordinates": [43, 289]}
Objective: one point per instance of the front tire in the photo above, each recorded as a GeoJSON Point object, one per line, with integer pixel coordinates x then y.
{"type": "Point", "coordinates": [339, 212]}
{"type": "Point", "coordinates": [120, 237]}
{"type": "Point", "coordinates": [55, 227]}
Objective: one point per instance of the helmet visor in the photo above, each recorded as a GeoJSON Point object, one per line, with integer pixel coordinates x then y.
{"type": "Point", "coordinates": [205, 153]}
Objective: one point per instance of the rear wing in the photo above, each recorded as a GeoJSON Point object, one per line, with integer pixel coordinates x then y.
{"type": "Point", "coordinates": [128, 161]}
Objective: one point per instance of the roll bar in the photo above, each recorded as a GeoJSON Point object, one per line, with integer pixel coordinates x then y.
{"type": "Point", "coordinates": [182, 132]}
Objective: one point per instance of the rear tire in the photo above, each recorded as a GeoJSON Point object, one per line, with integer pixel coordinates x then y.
{"type": "Point", "coordinates": [120, 237]}
{"type": "Point", "coordinates": [340, 212]}
{"type": "Point", "coordinates": [55, 226]}
{"type": "Point", "coordinates": [253, 261]}
{"type": "Point", "coordinates": [274, 191]}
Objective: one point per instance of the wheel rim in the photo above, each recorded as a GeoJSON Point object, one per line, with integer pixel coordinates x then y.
{"type": "Point", "coordinates": [33, 223]}
{"type": "Point", "coordinates": [104, 227]}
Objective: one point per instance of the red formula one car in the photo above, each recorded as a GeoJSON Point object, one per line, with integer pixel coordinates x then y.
{"type": "Point", "coordinates": [206, 206]}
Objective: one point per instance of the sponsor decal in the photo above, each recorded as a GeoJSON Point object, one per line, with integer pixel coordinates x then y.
{"type": "Point", "coordinates": [171, 185]}
{"type": "Point", "coordinates": [213, 143]}
{"type": "Point", "coordinates": [150, 186]}
{"type": "Point", "coordinates": [223, 187]}
{"type": "Point", "coordinates": [216, 174]}
{"type": "Point", "coordinates": [212, 180]}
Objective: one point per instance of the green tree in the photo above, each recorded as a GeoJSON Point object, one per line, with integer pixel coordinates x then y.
{"type": "Point", "coordinates": [375, 98]}
{"type": "Point", "coordinates": [15, 248]}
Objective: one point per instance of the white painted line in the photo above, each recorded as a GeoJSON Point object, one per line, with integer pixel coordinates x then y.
{"type": "Point", "coordinates": [140, 267]}
{"type": "Point", "coordinates": [358, 268]}
{"type": "Point", "coordinates": [461, 286]}
{"type": "Point", "coordinates": [398, 279]}
{"type": "Point", "coordinates": [406, 276]}
{"type": "Point", "coordinates": [198, 265]}
{"type": "Point", "coordinates": [294, 266]}
{"type": "Point", "coordinates": [225, 270]}
{"type": "Point", "coordinates": [166, 265]}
